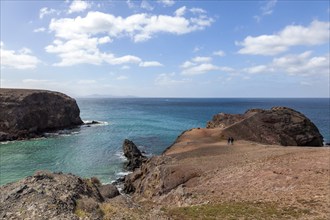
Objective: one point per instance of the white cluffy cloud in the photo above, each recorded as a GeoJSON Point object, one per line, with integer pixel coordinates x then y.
{"type": "Point", "coordinates": [78, 39]}
{"type": "Point", "coordinates": [202, 59]}
{"type": "Point", "coordinates": [201, 65]}
{"type": "Point", "coordinates": [303, 64]}
{"type": "Point", "coordinates": [150, 64]}
{"type": "Point", "coordinates": [166, 2]}
{"type": "Point", "coordinates": [85, 50]}
{"type": "Point", "coordinates": [200, 69]}
{"type": "Point", "coordinates": [145, 5]}
{"type": "Point", "coordinates": [21, 59]}
{"type": "Point", "coordinates": [266, 9]}
{"type": "Point", "coordinates": [78, 6]}
{"type": "Point", "coordinates": [169, 79]}
{"type": "Point", "coordinates": [46, 11]}
{"type": "Point", "coordinates": [37, 30]}
{"type": "Point", "coordinates": [295, 64]}
{"type": "Point", "coordinates": [181, 11]}
{"type": "Point", "coordinates": [140, 27]}
{"type": "Point", "coordinates": [219, 53]}
{"type": "Point", "coordinates": [258, 69]}
{"type": "Point", "coordinates": [293, 35]}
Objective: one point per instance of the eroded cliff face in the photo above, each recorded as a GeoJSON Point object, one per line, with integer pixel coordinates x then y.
{"type": "Point", "coordinates": [279, 125]}
{"type": "Point", "coordinates": [27, 113]}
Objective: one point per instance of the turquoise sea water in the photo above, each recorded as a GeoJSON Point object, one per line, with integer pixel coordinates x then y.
{"type": "Point", "coordinates": [152, 123]}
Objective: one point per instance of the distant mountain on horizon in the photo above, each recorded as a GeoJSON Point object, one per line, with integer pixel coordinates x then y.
{"type": "Point", "coordinates": [98, 96]}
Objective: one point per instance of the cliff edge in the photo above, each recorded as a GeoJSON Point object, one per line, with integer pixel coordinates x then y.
{"type": "Point", "coordinates": [28, 113]}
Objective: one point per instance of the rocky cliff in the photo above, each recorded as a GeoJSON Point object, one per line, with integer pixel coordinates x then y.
{"type": "Point", "coordinates": [279, 125]}
{"type": "Point", "coordinates": [28, 113]}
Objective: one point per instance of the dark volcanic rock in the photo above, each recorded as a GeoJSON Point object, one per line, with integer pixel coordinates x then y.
{"type": "Point", "coordinates": [48, 195]}
{"type": "Point", "coordinates": [28, 113]}
{"type": "Point", "coordinates": [133, 154]}
{"type": "Point", "coordinates": [280, 125]}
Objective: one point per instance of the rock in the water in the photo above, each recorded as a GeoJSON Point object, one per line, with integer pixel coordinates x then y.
{"type": "Point", "coordinates": [280, 125]}
{"type": "Point", "coordinates": [48, 195]}
{"type": "Point", "coordinates": [133, 154]}
{"type": "Point", "coordinates": [28, 113]}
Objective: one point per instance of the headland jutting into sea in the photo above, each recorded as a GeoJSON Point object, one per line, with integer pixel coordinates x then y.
{"type": "Point", "coordinates": [276, 168]}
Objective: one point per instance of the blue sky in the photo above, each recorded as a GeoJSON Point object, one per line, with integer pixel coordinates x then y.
{"type": "Point", "coordinates": [166, 48]}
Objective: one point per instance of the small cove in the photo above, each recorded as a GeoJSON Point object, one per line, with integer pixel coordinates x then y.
{"type": "Point", "coordinates": [152, 123]}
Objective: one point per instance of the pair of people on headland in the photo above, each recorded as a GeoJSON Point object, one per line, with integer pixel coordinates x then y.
{"type": "Point", "coordinates": [230, 140]}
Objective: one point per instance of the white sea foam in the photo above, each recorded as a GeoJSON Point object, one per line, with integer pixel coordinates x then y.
{"type": "Point", "coordinates": [62, 133]}
{"type": "Point", "coordinates": [122, 173]}
{"type": "Point", "coordinates": [99, 123]}
{"type": "Point", "coordinates": [121, 155]}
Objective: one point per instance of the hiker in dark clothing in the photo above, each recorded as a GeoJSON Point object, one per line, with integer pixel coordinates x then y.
{"type": "Point", "coordinates": [232, 140]}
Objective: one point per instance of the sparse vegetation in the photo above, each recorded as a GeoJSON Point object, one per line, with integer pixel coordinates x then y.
{"type": "Point", "coordinates": [108, 210]}
{"type": "Point", "coordinates": [80, 213]}
{"type": "Point", "coordinates": [237, 210]}
{"type": "Point", "coordinates": [88, 207]}
{"type": "Point", "coordinates": [121, 211]}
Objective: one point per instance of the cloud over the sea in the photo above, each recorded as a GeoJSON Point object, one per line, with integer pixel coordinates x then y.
{"type": "Point", "coordinates": [293, 35]}
{"type": "Point", "coordinates": [21, 59]}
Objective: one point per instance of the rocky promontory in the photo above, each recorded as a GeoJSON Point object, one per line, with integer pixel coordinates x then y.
{"type": "Point", "coordinates": [255, 178]}
{"type": "Point", "coordinates": [28, 113]}
{"type": "Point", "coordinates": [279, 125]}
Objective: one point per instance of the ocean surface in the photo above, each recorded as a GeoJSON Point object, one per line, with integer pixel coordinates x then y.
{"type": "Point", "coordinates": [152, 123]}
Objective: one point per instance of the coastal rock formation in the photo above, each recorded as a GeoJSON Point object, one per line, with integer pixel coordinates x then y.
{"type": "Point", "coordinates": [28, 113]}
{"type": "Point", "coordinates": [48, 195]}
{"type": "Point", "coordinates": [279, 125]}
{"type": "Point", "coordinates": [159, 176]}
{"type": "Point", "coordinates": [133, 154]}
